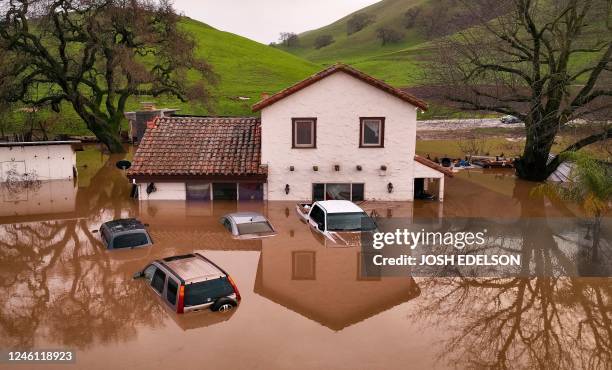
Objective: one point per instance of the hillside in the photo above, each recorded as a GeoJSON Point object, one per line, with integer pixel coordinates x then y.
{"type": "Point", "coordinates": [417, 21]}
{"type": "Point", "coordinates": [245, 68]}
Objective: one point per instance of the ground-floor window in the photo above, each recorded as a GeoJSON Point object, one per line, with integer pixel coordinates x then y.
{"type": "Point", "coordinates": [198, 191]}
{"type": "Point", "coordinates": [250, 191]}
{"type": "Point", "coordinates": [338, 191]}
{"type": "Point", "coordinates": [224, 191]}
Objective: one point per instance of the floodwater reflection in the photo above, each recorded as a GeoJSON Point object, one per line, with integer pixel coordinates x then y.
{"type": "Point", "coordinates": [305, 304]}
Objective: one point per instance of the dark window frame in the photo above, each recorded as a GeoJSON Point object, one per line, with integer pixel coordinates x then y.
{"type": "Point", "coordinates": [314, 133]}
{"type": "Point", "coordinates": [362, 184]}
{"type": "Point", "coordinates": [131, 240]}
{"type": "Point", "coordinates": [175, 292]}
{"type": "Point", "coordinates": [382, 132]}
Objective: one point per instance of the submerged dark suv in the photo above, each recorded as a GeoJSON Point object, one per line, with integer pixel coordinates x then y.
{"type": "Point", "coordinates": [191, 282]}
{"type": "Point", "coordinates": [125, 233]}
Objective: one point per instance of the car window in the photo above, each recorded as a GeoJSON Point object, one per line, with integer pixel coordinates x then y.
{"type": "Point", "coordinates": [317, 215]}
{"type": "Point", "coordinates": [171, 291]}
{"type": "Point", "coordinates": [105, 235]}
{"type": "Point", "coordinates": [254, 228]}
{"type": "Point", "coordinates": [227, 224]}
{"type": "Point", "coordinates": [159, 278]}
{"type": "Point", "coordinates": [149, 272]}
{"type": "Point", "coordinates": [130, 240]}
{"type": "Point", "coordinates": [354, 221]}
{"type": "Point", "coordinates": [207, 291]}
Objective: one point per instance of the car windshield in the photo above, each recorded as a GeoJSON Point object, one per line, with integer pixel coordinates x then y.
{"type": "Point", "coordinates": [354, 221]}
{"type": "Point", "coordinates": [206, 291]}
{"type": "Point", "coordinates": [261, 227]}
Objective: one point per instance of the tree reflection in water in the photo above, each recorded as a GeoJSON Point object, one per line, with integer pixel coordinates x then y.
{"type": "Point", "coordinates": [58, 283]}
{"type": "Point", "coordinates": [540, 322]}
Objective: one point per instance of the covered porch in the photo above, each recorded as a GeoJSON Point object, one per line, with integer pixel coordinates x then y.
{"type": "Point", "coordinates": [429, 178]}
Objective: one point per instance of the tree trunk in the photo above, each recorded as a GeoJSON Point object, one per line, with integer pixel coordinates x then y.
{"type": "Point", "coordinates": [532, 165]}
{"type": "Point", "coordinates": [106, 130]}
{"type": "Point", "coordinates": [109, 138]}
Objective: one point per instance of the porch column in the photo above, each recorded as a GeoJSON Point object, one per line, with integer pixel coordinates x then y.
{"type": "Point", "coordinates": [441, 189]}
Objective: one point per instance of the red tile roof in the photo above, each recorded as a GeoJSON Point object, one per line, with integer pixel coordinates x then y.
{"type": "Point", "coordinates": [434, 165]}
{"type": "Point", "coordinates": [405, 96]}
{"type": "Point", "coordinates": [200, 146]}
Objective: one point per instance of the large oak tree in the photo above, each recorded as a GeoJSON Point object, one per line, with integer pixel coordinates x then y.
{"type": "Point", "coordinates": [93, 55]}
{"type": "Point", "coordinates": [547, 62]}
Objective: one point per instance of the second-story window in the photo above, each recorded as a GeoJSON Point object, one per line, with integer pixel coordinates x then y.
{"type": "Point", "coordinates": [372, 132]}
{"type": "Point", "coordinates": [304, 134]}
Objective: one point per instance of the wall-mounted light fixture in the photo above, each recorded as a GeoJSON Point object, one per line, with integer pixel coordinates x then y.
{"type": "Point", "coordinates": [390, 187]}
{"type": "Point", "coordinates": [359, 168]}
{"type": "Point", "coordinates": [291, 168]}
{"type": "Point", "coordinates": [287, 188]}
{"type": "Point", "coordinates": [336, 167]}
{"type": "Point", "coordinates": [315, 168]}
{"type": "Point", "coordinates": [383, 167]}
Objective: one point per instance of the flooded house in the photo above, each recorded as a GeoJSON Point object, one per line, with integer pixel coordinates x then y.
{"type": "Point", "coordinates": [138, 119]}
{"type": "Point", "coordinates": [339, 134]}
{"type": "Point", "coordinates": [38, 160]}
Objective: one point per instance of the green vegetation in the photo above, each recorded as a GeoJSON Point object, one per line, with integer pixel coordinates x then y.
{"type": "Point", "coordinates": [245, 68]}
{"type": "Point", "coordinates": [400, 63]}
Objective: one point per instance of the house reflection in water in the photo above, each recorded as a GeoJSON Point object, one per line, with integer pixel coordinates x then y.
{"type": "Point", "coordinates": [320, 282]}
{"type": "Point", "coordinates": [38, 200]}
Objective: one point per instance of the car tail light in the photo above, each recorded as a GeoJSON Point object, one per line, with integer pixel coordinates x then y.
{"type": "Point", "coordinates": [180, 307]}
{"type": "Point", "coordinates": [235, 287]}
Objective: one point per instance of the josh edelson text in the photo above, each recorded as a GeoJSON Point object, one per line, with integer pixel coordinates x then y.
{"type": "Point", "coordinates": [469, 249]}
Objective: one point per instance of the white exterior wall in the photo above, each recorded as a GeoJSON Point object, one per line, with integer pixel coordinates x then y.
{"type": "Point", "coordinates": [49, 162]}
{"type": "Point", "coordinates": [422, 171]}
{"type": "Point", "coordinates": [165, 191]}
{"type": "Point", "coordinates": [338, 101]}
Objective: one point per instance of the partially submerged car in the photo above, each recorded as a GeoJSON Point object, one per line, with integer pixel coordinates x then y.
{"type": "Point", "coordinates": [125, 233]}
{"type": "Point", "coordinates": [191, 282]}
{"type": "Point", "coordinates": [340, 221]}
{"type": "Point", "coordinates": [247, 225]}
{"type": "Point", "coordinates": [510, 119]}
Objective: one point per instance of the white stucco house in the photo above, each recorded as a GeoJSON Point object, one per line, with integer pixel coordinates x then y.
{"type": "Point", "coordinates": [38, 160]}
{"type": "Point", "coordinates": [339, 134]}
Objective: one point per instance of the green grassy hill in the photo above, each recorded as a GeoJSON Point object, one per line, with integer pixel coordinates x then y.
{"type": "Point", "coordinates": [396, 63]}
{"type": "Point", "coordinates": [245, 68]}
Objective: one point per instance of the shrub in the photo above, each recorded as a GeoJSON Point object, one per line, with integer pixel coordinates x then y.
{"type": "Point", "coordinates": [389, 35]}
{"type": "Point", "coordinates": [358, 22]}
{"type": "Point", "coordinates": [323, 40]}
{"type": "Point", "coordinates": [289, 39]}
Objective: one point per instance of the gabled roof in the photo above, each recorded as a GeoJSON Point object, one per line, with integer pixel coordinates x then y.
{"type": "Point", "coordinates": [405, 96]}
{"type": "Point", "coordinates": [433, 165]}
{"type": "Point", "coordinates": [200, 146]}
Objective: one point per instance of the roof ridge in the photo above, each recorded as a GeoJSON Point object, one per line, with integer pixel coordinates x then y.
{"type": "Point", "coordinates": [340, 67]}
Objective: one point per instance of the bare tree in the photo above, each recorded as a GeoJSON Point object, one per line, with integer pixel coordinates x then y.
{"type": "Point", "coordinates": [289, 39]}
{"type": "Point", "coordinates": [388, 35]}
{"type": "Point", "coordinates": [358, 22]}
{"type": "Point", "coordinates": [411, 16]}
{"type": "Point", "coordinates": [95, 55]}
{"type": "Point", "coordinates": [523, 64]}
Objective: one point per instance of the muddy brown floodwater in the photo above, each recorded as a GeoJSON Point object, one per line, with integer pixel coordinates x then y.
{"type": "Point", "coordinates": [304, 304]}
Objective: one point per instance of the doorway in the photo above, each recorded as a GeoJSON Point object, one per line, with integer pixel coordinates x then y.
{"type": "Point", "coordinates": [225, 191]}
